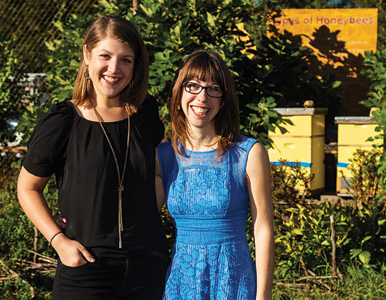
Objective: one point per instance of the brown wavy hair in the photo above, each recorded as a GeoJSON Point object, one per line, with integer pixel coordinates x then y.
{"type": "Point", "coordinates": [201, 65]}
{"type": "Point", "coordinates": [125, 32]}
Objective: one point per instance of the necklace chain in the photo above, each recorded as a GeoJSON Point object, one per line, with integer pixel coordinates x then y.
{"type": "Point", "coordinates": [120, 179]}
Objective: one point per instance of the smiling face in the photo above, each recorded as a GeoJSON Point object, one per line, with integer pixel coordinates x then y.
{"type": "Point", "coordinates": [110, 67]}
{"type": "Point", "coordinates": [200, 109]}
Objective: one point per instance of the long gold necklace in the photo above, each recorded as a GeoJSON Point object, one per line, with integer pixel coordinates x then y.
{"type": "Point", "coordinates": [120, 179]}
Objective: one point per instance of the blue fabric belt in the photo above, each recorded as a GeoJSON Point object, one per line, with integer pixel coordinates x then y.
{"type": "Point", "coordinates": [209, 231]}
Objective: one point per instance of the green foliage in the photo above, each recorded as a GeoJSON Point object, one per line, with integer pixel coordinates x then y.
{"type": "Point", "coordinates": [279, 4]}
{"type": "Point", "coordinates": [296, 74]}
{"type": "Point", "coordinates": [14, 225]}
{"type": "Point", "coordinates": [10, 92]}
{"type": "Point", "coordinates": [303, 240]}
{"type": "Point", "coordinates": [17, 237]}
{"type": "Point", "coordinates": [303, 228]}
{"type": "Point", "coordinates": [168, 222]}
{"type": "Point", "coordinates": [287, 179]}
{"type": "Point", "coordinates": [173, 29]}
{"type": "Point", "coordinates": [30, 117]}
{"type": "Point", "coordinates": [370, 232]}
{"type": "Point", "coordinates": [65, 54]}
{"type": "Point", "coordinates": [16, 230]}
{"type": "Point", "coordinates": [375, 71]}
{"type": "Point", "coordinates": [368, 237]}
{"type": "Point", "coordinates": [364, 183]}
{"type": "Point", "coordinates": [30, 22]}
{"type": "Point", "coordinates": [265, 70]}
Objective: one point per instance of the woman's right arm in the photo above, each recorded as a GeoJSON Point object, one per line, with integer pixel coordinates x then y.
{"type": "Point", "coordinates": [30, 193]}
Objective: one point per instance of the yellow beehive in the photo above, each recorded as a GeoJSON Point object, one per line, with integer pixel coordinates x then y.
{"type": "Point", "coordinates": [303, 143]}
{"type": "Point", "coordinates": [352, 135]}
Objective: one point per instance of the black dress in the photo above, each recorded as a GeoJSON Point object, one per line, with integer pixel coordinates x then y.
{"type": "Point", "coordinates": [76, 150]}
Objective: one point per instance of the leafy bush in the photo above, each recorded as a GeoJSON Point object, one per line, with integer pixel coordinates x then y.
{"type": "Point", "coordinates": [304, 245]}
{"type": "Point", "coordinates": [368, 237]}
{"type": "Point", "coordinates": [364, 183]}
{"type": "Point", "coordinates": [286, 180]}
{"type": "Point", "coordinates": [376, 72]}
{"type": "Point", "coordinates": [303, 228]}
{"type": "Point", "coordinates": [233, 29]}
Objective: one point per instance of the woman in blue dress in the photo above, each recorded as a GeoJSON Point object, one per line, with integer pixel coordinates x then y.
{"type": "Point", "coordinates": [209, 176]}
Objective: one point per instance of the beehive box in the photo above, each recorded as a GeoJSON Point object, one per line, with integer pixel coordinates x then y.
{"type": "Point", "coordinates": [352, 135]}
{"type": "Point", "coordinates": [303, 143]}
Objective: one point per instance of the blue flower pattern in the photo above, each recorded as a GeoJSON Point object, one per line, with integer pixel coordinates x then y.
{"type": "Point", "coordinates": [208, 199]}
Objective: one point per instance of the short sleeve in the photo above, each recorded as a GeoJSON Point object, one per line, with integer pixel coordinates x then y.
{"type": "Point", "coordinates": [168, 165]}
{"type": "Point", "coordinates": [149, 109]}
{"type": "Point", "coordinates": [48, 142]}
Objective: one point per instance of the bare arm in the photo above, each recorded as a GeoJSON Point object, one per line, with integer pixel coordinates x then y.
{"type": "Point", "coordinates": [30, 193]}
{"type": "Point", "coordinates": [159, 188]}
{"type": "Point", "coordinates": [259, 187]}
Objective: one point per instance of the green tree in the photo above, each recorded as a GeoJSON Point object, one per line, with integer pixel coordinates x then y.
{"type": "Point", "coordinates": [376, 72]}
{"type": "Point", "coordinates": [230, 28]}
{"type": "Point", "coordinates": [172, 29]}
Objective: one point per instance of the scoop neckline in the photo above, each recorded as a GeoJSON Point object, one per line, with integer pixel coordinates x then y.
{"type": "Point", "coordinates": [198, 152]}
{"type": "Point", "coordinates": [90, 121]}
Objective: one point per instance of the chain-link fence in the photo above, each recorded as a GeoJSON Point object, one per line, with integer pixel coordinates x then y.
{"type": "Point", "coordinates": [29, 24]}
{"type": "Point", "coordinates": [25, 28]}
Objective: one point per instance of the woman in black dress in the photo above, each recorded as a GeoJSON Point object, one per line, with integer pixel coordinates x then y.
{"type": "Point", "coordinates": [101, 148]}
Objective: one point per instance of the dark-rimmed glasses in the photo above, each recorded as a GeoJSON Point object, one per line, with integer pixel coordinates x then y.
{"type": "Point", "coordinates": [195, 88]}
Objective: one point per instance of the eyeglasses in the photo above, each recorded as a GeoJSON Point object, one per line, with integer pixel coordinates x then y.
{"type": "Point", "coordinates": [195, 88]}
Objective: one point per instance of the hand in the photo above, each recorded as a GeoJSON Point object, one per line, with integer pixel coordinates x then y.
{"type": "Point", "coordinates": [62, 222]}
{"type": "Point", "coordinates": [71, 252]}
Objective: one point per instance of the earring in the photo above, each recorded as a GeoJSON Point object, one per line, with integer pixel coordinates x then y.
{"type": "Point", "coordinates": [131, 84]}
{"type": "Point", "coordinates": [86, 74]}
{"type": "Point", "coordinates": [179, 107]}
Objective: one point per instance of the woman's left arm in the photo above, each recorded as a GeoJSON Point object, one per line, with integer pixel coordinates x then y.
{"type": "Point", "coordinates": [258, 177]}
{"type": "Point", "coordinates": [159, 188]}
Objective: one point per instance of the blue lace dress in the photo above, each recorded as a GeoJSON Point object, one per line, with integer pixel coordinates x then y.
{"type": "Point", "coordinates": [208, 199]}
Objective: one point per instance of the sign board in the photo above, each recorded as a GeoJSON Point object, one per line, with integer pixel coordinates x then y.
{"type": "Point", "coordinates": [339, 38]}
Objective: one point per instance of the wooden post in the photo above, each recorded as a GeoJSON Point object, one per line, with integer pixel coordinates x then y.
{"type": "Point", "coordinates": [135, 6]}
{"type": "Point", "coordinates": [36, 237]}
{"type": "Point", "coordinates": [333, 243]}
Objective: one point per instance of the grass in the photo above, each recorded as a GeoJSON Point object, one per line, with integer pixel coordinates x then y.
{"type": "Point", "coordinates": [358, 283]}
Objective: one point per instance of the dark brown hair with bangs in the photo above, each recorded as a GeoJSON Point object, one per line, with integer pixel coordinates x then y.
{"type": "Point", "coordinates": [125, 32]}
{"type": "Point", "coordinates": [203, 65]}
